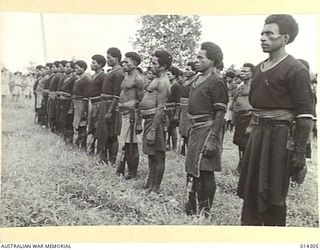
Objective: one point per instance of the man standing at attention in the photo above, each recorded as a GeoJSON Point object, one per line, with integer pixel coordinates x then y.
{"type": "Point", "coordinates": [53, 87]}
{"type": "Point", "coordinates": [62, 72]}
{"type": "Point", "coordinates": [130, 96]}
{"type": "Point", "coordinates": [173, 107]}
{"type": "Point", "coordinates": [280, 95]}
{"type": "Point", "coordinates": [242, 110]}
{"type": "Point", "coordinates": [80, 103]}
{"type": "Point", "coordinates": [184, 123]}
{"type": "Point", "coordinates": [109, 121]}
{"type": "Point", "coordinates": [97, 64]}
{"type": "Point", "coordinates": [152, 110]}
{"type": "Point", "coordinates": [207, 105]}
{"type": "Point", "coordinates": [65, 97]}
{"type": "Point", "coordinates": [232, 87]}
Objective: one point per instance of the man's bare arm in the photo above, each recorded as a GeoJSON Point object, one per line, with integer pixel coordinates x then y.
{"type": "Point", "coordinates": [139, 87]}
{"type": "Point", "coordinates": [162, 97]}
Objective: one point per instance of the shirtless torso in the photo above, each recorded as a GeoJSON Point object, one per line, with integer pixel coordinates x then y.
{"type": "Point", "coordinates": [131, 89]}
{"type": "Point", "coordinates": [157, 92]}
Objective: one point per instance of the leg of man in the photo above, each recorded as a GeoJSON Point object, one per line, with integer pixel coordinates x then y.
{"type": "Point", "coordinates": [174, 138]}
{"type": "Point", "coordinates": [121, 161]}
{"type": "Point", "coordinates": [159, 170]}
{"type": "Point", "coordinates": [68, 130]}
{"type": "Point", "coordinates": [168, 140]}
{"type": "Point", "coordinates": [40, 116]}
{"type": "Point", "coordinates": [152, 170]}
{"type": "Point", "coordinates": [49, 114]}
{"type": "Point", "coordinates": [122, 164]}
{"type": "Point", "coordinates": [135, 159]}
{"type": "Point", "coordinates": [92, 146]}
{"type": "Point", "coordinates": [207, 189]}
{"type": "Point", "coordinates": [184, 146]}
{"type": "Point", "coordinates": [45, 111]}
{"type": "Point", "coordinates": [82, 136]}
{"type": "Point", "coordinates": [132, 160]}
{"type": "Point", "coordinates": [103, 152]}
{"type": "Point", "coordinates": [275, 216]}
{"type": "Point", "coordinates": [113, 147]}
{"type": "Point", "coordinates": [146, 182]}
{"type": "Point", "coordinates": [191, 206]}
{"type": "Point", "coordinates": [241, 153]}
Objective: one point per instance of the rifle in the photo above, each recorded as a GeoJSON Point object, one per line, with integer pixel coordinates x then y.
{"type": "Point", "coordinates": [35, 120]}
{"type": "Point", "coordinates": [132, 130]}
{"type": "Point", "coordinates": [190, 205]}
{"type": "Point", "coordinates": [132, 121]}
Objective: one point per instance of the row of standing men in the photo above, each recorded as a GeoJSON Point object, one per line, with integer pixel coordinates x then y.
{"type": "Point", "coordinates": [110, 107]}
{"type": "Point", "coordinates": [280, 96]}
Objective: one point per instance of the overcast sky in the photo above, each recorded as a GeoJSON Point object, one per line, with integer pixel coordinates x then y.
{"type": "Point", "coordinates": [81, 35]}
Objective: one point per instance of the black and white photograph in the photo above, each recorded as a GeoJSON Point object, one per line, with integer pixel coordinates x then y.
{"type": "Point", "coordinates": [159, 120]}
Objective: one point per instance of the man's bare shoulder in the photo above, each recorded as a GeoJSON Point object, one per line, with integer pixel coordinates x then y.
{"type": "Point", "coordinates": [139, 80]}
{"type": "Point", "coordinates": [163, 82]}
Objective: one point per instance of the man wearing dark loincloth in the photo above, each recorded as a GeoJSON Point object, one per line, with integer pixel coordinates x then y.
{"type": "Point", "coordinates": [280, 95]}
{"type": "Point", "coordinates": [207, 106]}
{"type": "Point", "coordinates": [53, 87]}
{"type": "Point", "coordinates": [97, 64]}
{"type": "Point", "coordinates": [184, 122]}
{"type": "Point", "coordinates": [109, 121]}
{"type": "Point", "coordinates": [80, 95]}
{"type": "Point", "coordinates": [62, 71]}
{"type": "Point", "coordinates": [65, 119]}
{"type": "Point", "coordinates": [173, 108]}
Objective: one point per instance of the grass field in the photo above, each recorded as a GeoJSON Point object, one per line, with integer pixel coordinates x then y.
{"type": "Point", "coordinates": [46, 183]}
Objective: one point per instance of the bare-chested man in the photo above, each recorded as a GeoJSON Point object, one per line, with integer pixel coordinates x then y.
{"type": "Point", "coordinates": [131, 94]}
{"type": "Point", "coordinates": [152, 110]}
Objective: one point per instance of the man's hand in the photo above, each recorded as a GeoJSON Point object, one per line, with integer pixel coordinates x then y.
{"type": "Point", "coordinates": [108, 116]}
{"type": "Point", "coordinates": [139, 129]}
{"type": "Point", "coordinates": [84, 112]}
{"type": "Point", "coordinates": [298, 162]}
{"type": "Point", "coordinates": [210, 147]}
{"type": "Point", "coordinates": [248, 129]}
{"type": "Point", "coordinates": [84, 116]}
{"type": "Point", "coordinates": [70, 110]}
{"type": "Point", "coordinates": [151, 136]}
{"type": "Point", "coordinates": [300, 176]}
{"type": "Point", "coordinates": [175, 121]}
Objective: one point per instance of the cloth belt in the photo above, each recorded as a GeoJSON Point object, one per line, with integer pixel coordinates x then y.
{"type": "Point", "coordinates": [45, 92]}
{"type": "Point", "coordinates": [77, 97]}
{"type": "Point", "coordinates": [200, 118]}
{"type": "Point", "coordinates": [184, 101]}
{"type": "Point", "coordinates": [95, 99]}
{"type": "Point", "coordinates": [243, 112]}
{"type": "Point", "coordinates": [65, 95]}
{"type": "Point", "coordinates": [262, 121]}
{"type": "Point", "coordinates": [171, 105]}
{"type": "Point", "coordinates": [131, 103]}
{"type": "Point", "coordinates": [148, 113]}
{"type": "Point", "coordinates": [106, 97]}
{"type": "Point", "coordinates": [124, 110]}
{"type": "Point", "coordinates": [52, 94]}
{"type": "Point", "coordinates": [148, 117]}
